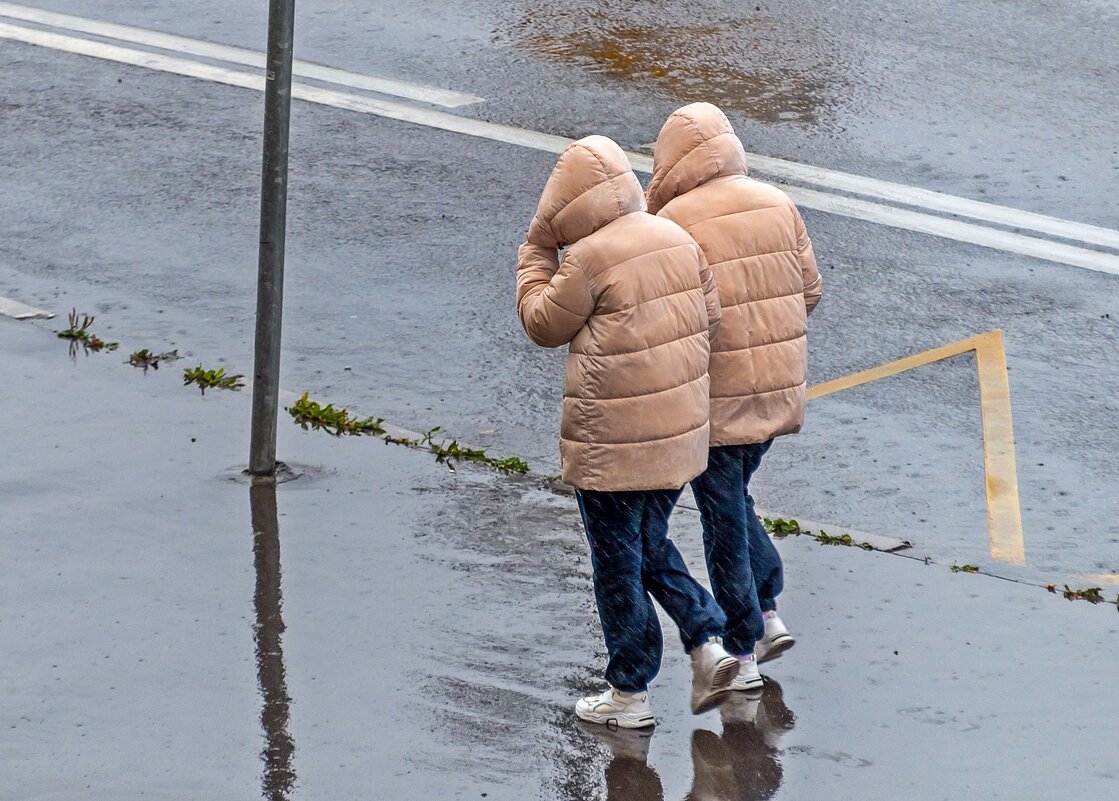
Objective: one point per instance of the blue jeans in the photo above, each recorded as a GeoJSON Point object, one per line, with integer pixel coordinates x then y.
{"type": "Point", "coordinates": [633, 558]}
{"type": "Point", "coordinates": [744, 567]}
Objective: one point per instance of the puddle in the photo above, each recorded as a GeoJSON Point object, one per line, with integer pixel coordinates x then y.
{"type": "Point", "coordinates": [743, 762]}
{"type": "Point", "coordinates": [285, 473]}
{"type": "Point", "coordinates": [748, 66]}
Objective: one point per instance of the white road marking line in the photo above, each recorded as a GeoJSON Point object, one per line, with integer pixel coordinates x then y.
{"type": "Point", "coordinates": [237, 55]}
{"type": "Point", "coordinates": [993, 238]}
{"type": "Point", "coordinates": [934, 201]}
{"type": "Point", "coordinates": [767, 165]}
{"type": "Point", "coordinates": [832, 204]}
{"type": "Point", "coordinates": [21, 311]}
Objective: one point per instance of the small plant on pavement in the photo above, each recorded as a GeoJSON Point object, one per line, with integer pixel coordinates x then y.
{"type": "Point", "coordinates": [781, 527]}
{"type": "Point", "coordinates": [963, 568]}
{"type": "Point", "coordinates": [207, 379]}
{"type": "Point", "coordinates": [510, 465]}
{"type": "Point", "coordinates": [312, 416]}
{"type": "Point", "coordinates": [824, 538]}
{"type": "Point", "coordinates": [145, 359]}
{"type": "Point", "coordinates": [80, 336]}
{"type": "Point", "coordinates": [1090, 594]}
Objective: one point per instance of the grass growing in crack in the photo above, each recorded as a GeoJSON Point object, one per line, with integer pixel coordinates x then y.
{"type": "Point", "coordinates": [1092, 595]}
{"type": "Point", "coordinates": [80, 336]}
{"type": "Point", "coordinates": [208, 379]}
{"type": "Point", "coordinates": [780, 527]}
{"type": "Point", "coordinates": [510, 465]}
{"type": "Point", "coordinates": [955, 568]}
{"type": "Point", "coordinates": [312, 416]}
{"type": "Point", "coordinates": [824, 538]}
{"type": "Point", "coordinates": [146, 359]}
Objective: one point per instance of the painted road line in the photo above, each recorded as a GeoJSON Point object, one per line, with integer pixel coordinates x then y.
{"type": "Point", "coordinates": [781, 169]}
{"type": "Point", "coordinates": [238, 55]}
{"type": "Point", "coordinates": [1004, 514]}
{"type": "Point", "coordinates": [994, 238]}
{"type": "Point", "coordinates": [1004, 510]}
{"type": "Point", "coordinates": [833, 204]}
{"type": "Point", "coordinates": [21, 311]}
{"type": "Point", "coordinates": [934, 201]}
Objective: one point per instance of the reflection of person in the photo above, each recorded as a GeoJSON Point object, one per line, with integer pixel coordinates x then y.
{"type": "Point", "coordinates": [762, 260]}
{"type": "Point", "coordinates": [634, 301]}
{"type": "Point", "coordinates": [743, 764]}
{"type": "Point", "coordinates": [628, 776]}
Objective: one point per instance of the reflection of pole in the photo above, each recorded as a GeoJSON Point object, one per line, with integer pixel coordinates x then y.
{"type": "Point", "coordinates": [268, 601]}
{"type": "Point", "coordinates": [273, 230]}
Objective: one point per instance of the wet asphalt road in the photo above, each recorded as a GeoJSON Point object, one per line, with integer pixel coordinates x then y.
{"type": "Point", "coordinates": [395, 631]}
{"type": "Point", "coordinates": [132, 194]}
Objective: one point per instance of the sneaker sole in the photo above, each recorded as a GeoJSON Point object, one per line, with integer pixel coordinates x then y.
{"type": "Point", "coordinates": [621, 720]}
{"type": "Point", "coordinates": [725, 674]}
{"type": "Point", "coordinates": [776, 648]}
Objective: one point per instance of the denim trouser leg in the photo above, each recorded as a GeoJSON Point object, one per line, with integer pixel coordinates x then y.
{"type": "Point", "coordinates": [667, 578]}
{"type": "Point", "coordinates": [721, 497]}
{"type": "Point", "coordinates": [769, 577]}
{"type": "Point", "coordinates": [632, 558]}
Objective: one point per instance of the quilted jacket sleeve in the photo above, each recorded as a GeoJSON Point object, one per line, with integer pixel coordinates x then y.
{"type": "Point", "coordinates": [553, 298]}
{"type": "Point", "coordinates": [813, 282]}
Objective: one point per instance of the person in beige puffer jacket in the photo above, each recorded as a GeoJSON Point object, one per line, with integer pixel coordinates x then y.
{"type": "Point", "coordinates": [762, 259]}
{"type": "Point", "coordinates": [633, 300]}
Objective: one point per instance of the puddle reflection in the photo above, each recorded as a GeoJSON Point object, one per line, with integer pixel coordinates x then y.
{"type": "Point", "coordinates": [741, 764]}
{"type": "Point", "coordinates": [279, 777]}
{"type": "Point", "coordinates": [732, 62]}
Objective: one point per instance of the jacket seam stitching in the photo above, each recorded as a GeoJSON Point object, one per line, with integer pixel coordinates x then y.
{"type": "Point", "coordinates": [761, 344]}
{"type": "Point", "coordinates": [638, 441]}
{"type": "Point", "coordinates": [757, 392]}
{"type": "Point", "coordinates": [648, 301]}
{"type": "Point", "coordinates": [641, 395]}
{"type": "Point", "coordinates": [638, 350]}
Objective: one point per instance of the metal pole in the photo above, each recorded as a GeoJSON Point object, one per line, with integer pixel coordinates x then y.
{"type": "Point", "coordinates": [273, 224]}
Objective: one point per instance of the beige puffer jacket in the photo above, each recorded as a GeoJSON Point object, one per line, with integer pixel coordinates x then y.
{"type": "Point", "coordinates": [762, 259]}
{"type": "Point", "coordinates": [635, 302]}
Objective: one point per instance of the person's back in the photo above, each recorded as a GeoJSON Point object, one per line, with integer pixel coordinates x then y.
{"type": "Point", "coordinates": [759, 252]}
{"type": "Point", "coordinates": [633, 299]}
{"type": "Point", "coordinates": [762, 260]}
{"type": "Point", "coordinates": [630, 299]}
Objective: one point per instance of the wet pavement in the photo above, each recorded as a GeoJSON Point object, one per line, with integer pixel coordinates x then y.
{"type": "Point", "coordinates": [431, 631]}
{"type": "Point", "coordinates": [394, 630]}
{"type": "Point", "coordinates": [400, 267]}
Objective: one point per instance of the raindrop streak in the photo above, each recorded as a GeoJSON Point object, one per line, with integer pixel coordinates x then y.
{"type": "Point", "coordinates": [279, 776]}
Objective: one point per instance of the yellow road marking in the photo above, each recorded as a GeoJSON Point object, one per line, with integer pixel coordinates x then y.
{"type": "Point", "coordinates": [1004, 515]}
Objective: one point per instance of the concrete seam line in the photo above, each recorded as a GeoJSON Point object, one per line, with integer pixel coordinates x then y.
{"type": "Point", "coordinates": [237, 55]}
{"type": "Point", "coordinates": [832, 204]}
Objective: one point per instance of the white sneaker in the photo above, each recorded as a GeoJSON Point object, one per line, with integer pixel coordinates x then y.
{"type": "Point", "coordinates": [748, 678]}
{"type": "Point", "coordinates": [616, 708]}
{"type": "Point", "coordinates": [713, 670]}
{"type": "Point", "coordinates": [776, 641]}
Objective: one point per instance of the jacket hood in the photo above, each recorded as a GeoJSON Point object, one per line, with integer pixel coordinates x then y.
{"type": "Point", "coordinates": [697, 144]}
{"type": "Point", "coordinates": [592, 185]}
